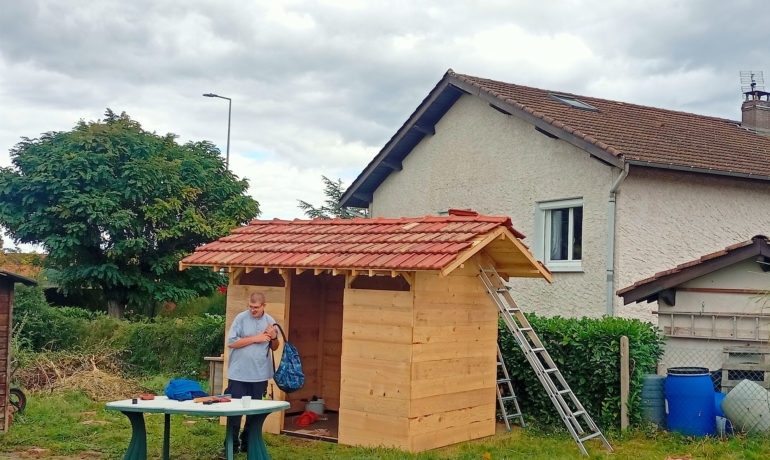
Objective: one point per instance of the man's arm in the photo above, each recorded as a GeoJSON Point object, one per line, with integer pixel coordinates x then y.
{"type": "Point", "coordinates": [246, 341]}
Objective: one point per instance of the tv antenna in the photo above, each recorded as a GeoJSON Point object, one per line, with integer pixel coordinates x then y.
{"type": "Point", "coordinates": [752, 83]}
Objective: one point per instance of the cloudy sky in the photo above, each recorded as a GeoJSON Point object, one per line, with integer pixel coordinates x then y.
{"type": "Point", "coordinates": [319, 87]}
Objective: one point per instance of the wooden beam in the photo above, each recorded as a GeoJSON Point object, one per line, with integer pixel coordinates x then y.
{"type": "Point", "coordinates": [476, 246]}
{"type": "Point", "coordinates": [285, 274]}
{"type": "Point", "coordinates": [371, 272]}
{"type": "Point", "coordinates": [268, 270]}
{"type": "Point", "coordinates": [354, 273]}
{"type": "Point", "coordinates": [318, 271]}
{"type": "Point", "coordinates": [394, 165]}
{"type": "Point", "coordinates": [429, 130]}
{"type": "Point", "coordinates": [624, 382]}
{"type": "Point", "coordinates": [249, 270]}
{"type": "Point", "coordinates": [235, 275]}
{"type": "Point", "coordinates": [393, 273]}
{"type": "Point", "coordinates": [182, 266]}
{"type": "Point", "coordinates": [215, 268]}
{"type": "Point", "coordinates": [300, 270]}
{"type": "Point", "coordinates": [668, 296]}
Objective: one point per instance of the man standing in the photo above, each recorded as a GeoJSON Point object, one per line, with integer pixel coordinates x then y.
{"type": "Point", "coordinates": [251, 337]}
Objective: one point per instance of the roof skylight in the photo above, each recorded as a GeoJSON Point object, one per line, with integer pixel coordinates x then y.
{"type": "Point", "coordinates": [573, 102]}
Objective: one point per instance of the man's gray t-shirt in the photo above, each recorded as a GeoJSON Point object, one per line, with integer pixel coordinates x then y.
{"type": "Point", "coordinates": [251, 363]}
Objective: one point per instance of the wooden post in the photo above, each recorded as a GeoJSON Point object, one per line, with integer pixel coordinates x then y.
{"type": "Point", "coordinates": [624, 379]}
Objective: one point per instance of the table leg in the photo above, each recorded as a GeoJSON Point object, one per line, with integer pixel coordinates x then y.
{"type": "Point", "coordinates": [166, 435]}
{"type": "Point", "coordinates": [257, 449]}
{"type": "Point", "coordinates": [229, 442]}
{"type": "Point", "coordinates": [137, 448]}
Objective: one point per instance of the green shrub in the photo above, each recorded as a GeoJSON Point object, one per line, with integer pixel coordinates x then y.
{"type": "Point", "coordinates": [587, 351]}
{"type": "Point", "coordinates": [214, 304]}
{"type": "Point", "coordinates": [173, 345]}
{"type": "Point", "coordinates": [43, 327]}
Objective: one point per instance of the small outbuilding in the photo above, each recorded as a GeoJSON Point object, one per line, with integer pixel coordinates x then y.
{"type": "Point", "coordinates": [396, 332]}
{"type": "Point", "coordinates": [713, 312]}
{"type": "Point", "coordinates": [7, 281]}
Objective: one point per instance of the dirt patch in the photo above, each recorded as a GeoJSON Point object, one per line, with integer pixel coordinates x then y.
{"type": "Point", "coordinates": [39, 452]}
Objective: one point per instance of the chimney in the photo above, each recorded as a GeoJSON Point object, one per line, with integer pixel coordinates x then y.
{"type": "Point", "coordinates": [756, 111]}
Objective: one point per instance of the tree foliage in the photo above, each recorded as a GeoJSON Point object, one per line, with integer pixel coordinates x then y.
{"type": "Point", "coordinates": [331, 208]}
{"type": "Point", "coordinates": [118, 207]}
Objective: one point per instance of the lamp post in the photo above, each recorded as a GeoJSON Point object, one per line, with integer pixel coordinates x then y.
{"type": "Point", "coordinates": [229, 113]}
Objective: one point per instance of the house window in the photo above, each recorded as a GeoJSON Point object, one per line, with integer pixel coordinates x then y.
{"type": "Point", "coordinates": [560, 234]}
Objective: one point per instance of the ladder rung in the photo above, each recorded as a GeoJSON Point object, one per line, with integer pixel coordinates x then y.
{"type": "Point", "coordinates": [591, 436]}
{"type": "Point", "coordinates": [510, 416]}
{"type": "Point", "coordinates": [562, 392]}
{"type": "Point", "coordinates": [512, 310]}
{"type": "Point", "coordinates": [580, 412]}
{"type": "Point", "coordinates": [499, 381]}
{"type": "Point", "coordinates": [538, 350]}
{"type": "Point", "coordinates": [508, 398]}
{"type": "Point", "coordinates": [551, 370]}
{"type": "Point", "coordinates": [502, 290]}
{"type": "Point", "coordinates": [525, 329]}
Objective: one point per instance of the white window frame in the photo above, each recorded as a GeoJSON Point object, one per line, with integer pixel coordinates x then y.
{"type": "Point", "coordinates": [543, 235]}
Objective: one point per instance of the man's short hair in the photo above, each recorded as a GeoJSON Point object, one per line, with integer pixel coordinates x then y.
{"type": "Point", "coordinates": [257, 298]}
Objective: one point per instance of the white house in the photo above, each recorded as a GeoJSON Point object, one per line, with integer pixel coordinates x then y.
{"type": "Point", "coordinates": [607, 192]}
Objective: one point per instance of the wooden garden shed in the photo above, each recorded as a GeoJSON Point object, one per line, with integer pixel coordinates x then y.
{"type": "Point", "coordinates": [7, 281]}
{"type": "Point", "coordinates": [396, 332]}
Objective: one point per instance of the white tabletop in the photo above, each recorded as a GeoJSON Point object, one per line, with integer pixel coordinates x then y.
{"type": "Point", "coordinates": [161, 404]}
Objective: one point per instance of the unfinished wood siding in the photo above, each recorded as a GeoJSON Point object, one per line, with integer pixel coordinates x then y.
{"type": "Point", "coordinates": [454, 362]}
{"type": "Point", "coordinates": [277, 301]}
{"type": "Point", "coordinates": [376, 368]}
{"type": "Point", "coordinates": [306, 315]}
{"type": "Point", "coordinates": [331, 345]}
{"type": "Point", "coordinates": [6, 313]}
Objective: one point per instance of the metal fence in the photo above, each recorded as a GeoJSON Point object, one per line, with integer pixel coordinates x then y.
{"type": "Point", "coordinates": [740, 371]}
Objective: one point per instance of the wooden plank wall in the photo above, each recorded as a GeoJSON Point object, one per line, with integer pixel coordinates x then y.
{"type": "Point", "coordinates": [454, 360]}
{"type": "Point", "coordinates": [331, 344]}
{"type": "Point", "coordinates": [306, 315]}
{"type": "Point", "coordinates": [6, 314]}
{"type": "Point", "coordinates": [375, 368]}
{"type": "Point", "coordinates": [277, 301]}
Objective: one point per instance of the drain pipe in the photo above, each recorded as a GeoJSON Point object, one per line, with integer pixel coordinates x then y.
{"type": "Point", "coordinates": [611, 242]}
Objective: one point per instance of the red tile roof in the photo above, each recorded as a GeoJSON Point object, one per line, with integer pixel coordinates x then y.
{"type": "Point", "coordinates": [644, 134]}
{"type": "Point", "coordinates": [658, 282]}
{"type": "Point", "coordinates": [426, 243]}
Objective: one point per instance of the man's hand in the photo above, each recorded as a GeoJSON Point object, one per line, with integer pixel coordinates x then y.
{"type": "Point", "coordinates": [261, 337]}
{"type": "Point", "coordinates": [271, 331]}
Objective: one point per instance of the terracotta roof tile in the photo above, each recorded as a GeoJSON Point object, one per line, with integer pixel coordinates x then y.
{"type": "Point", "coordinates": [641, 133]}
{"type": "Point", "coordinates": [428, 243]}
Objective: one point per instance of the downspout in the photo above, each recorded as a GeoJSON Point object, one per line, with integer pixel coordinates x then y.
{"type": "Point", "coordinates": [611, 242]}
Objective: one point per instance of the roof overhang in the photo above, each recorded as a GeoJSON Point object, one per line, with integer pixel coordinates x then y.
{"type": "Point", "coordinates": [658, 285]}
{"type": "Point", "coordinates": [14, 278]}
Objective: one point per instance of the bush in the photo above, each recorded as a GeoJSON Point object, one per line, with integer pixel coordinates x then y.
{"type": "Point", "coordinates": [173, 346]}
{"type": "Point", "coordinates": [43, 327]}
{"type": "Point", "coordinates": [587, 351]}
{"type": "Point", "coordinates": [214, 304]}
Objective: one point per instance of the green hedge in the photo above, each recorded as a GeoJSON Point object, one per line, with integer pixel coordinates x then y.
{"type": "Point", "coordinates": [587, 352]}
{"type": "Point", "coordinates": [174, 346]}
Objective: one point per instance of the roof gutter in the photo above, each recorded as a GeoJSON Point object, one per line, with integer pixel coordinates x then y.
{"type": "Point", "coordinates": [611, 241]}
{"type": "Point", "coordinates": [715, 172]}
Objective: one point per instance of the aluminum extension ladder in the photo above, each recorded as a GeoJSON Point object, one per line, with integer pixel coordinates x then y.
{"type": "Point", "coordinates": [503, 384]}
{"type": "Point", "coordinates": [563, 398]}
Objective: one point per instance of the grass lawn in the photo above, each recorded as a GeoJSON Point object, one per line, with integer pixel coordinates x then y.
{"type": "Point", "coordinates": [55, 423]}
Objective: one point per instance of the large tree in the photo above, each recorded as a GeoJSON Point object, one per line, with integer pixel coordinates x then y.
{"type": "Point", "coordinates": [117, 207]}
{"type": "Point", "coordinates": [331, 208]}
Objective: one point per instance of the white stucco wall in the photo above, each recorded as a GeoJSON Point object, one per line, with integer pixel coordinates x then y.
{"type": "Point", "coordinates": [665, 218]}
{"type": "Point", "coordinates": [496, 164]}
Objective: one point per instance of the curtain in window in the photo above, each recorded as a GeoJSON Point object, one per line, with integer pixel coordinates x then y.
{"type": "Point", "coordinates": [559, 233]}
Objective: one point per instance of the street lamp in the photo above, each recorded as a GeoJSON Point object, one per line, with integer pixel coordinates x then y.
{"type": "Point", "coordinates": [229, 113]}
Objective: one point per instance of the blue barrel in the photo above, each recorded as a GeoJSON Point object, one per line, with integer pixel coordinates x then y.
{"type": "Point", "coordinates": [690, 401]}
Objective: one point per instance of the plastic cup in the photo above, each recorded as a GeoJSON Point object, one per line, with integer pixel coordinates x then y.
{"type": "Point", "coordinates": [246, 401]}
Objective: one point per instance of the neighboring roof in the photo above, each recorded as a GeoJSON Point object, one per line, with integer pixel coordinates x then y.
{"type": "Point", "coordinates": [618, 132]}
{"type": "Point", "coordinates": [405, 244]}
{"type": "Point", "coordinates": [14, 278]}
{"type": "Point", "coordinates": [649, 288]}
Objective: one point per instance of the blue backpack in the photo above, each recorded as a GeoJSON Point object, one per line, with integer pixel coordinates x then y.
{"type": "Point", "coordinates": [289, 377]}
{"type": "Point", "coordinates": [183, 389]}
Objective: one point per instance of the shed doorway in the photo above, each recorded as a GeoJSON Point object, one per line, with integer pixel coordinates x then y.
{"type": "Point", "coordinates": [315, 328]}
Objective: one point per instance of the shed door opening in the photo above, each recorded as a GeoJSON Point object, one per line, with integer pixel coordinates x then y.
{"type": "Point", "coordinates": [315, 328]}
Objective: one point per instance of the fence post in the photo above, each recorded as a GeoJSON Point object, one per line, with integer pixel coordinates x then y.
{"type": "Point", "coordinates": [624, 381]}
